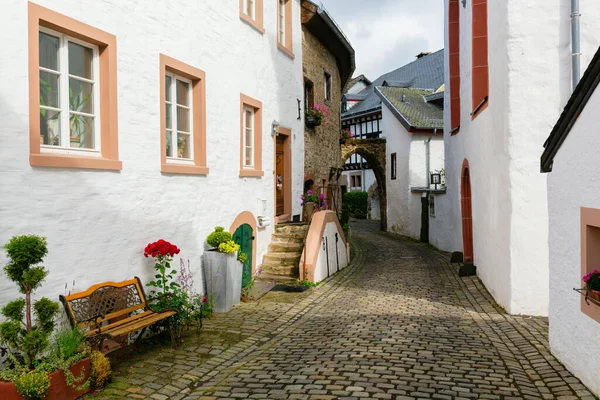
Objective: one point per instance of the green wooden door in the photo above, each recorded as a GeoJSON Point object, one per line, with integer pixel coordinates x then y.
{"type": "Point", "coordinates": [244, 237]}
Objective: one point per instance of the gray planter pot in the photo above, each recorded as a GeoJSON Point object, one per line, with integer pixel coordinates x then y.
{"type": "Point", "coordinates": [223, 277]}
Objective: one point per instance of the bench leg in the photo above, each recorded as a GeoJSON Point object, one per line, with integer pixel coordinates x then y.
{"type": "Point", "coordinates": [140, 336]}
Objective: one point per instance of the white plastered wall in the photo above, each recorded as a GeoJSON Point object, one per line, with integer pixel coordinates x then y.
{"type": "Point", "coordinates": [333, 255]}
{"type": "Point", "coordinates": [96, 222]}
{"type": "Point", "coordinates": [574, 337]}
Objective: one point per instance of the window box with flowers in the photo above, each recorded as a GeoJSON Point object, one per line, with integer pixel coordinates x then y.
{"type": "Point", "coordinates": [312, 203]}
{"type": "Point", "coordinates": [592, 286]}
{"type": "Point", "coordinates": [346, 136]}
{"type": "Point", "coordinates": [315, 115]}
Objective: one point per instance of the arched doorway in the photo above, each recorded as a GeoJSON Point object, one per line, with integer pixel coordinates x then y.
{"type": "Point", "coordinates": [467, 212]}
{"type": "Point", "coordinates": [373, 151]}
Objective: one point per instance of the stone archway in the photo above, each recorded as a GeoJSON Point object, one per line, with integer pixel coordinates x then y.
{"type": "Point", "coordinates": [372, 150]}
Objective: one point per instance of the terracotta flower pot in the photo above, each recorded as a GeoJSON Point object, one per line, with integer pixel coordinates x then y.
{"type": "Point", "coordinates": [594, 294]}
{"type": "Point", "coordinates": [309, 210]}
{"type": "Point", "coordinates": [59, 390]}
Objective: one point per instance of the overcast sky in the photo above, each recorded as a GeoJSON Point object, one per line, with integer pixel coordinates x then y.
{"type": "Point", "coordinates": [387, 34]}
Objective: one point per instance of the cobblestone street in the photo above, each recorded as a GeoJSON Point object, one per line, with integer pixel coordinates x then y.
{"type": "Point", "coordinates": [398, 323]}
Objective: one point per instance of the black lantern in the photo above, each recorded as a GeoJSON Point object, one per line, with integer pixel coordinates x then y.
{"type": "Point", "coordinates": [436, 179]}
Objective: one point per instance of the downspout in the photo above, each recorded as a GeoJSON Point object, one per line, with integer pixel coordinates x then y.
{"type": "Point", "coordinates": [575, 42]}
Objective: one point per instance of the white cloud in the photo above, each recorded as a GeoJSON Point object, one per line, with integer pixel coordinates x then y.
{"type": "Point", "coordinates": [387, 34]}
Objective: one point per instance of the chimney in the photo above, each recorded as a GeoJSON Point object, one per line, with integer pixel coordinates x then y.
{"type": "Point", "coordinates": [423, 54]}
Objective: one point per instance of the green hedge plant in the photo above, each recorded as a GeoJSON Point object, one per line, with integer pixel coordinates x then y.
{"type": "Point", "coordinates": [218, 237]}
{"type": "Point", "coordinates": [20, 331]}
{"type": "Point", "coordinates": [357, 203]}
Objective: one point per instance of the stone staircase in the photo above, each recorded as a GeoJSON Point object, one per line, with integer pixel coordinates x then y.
{"type": "Point", "coordinates": [283, 257]}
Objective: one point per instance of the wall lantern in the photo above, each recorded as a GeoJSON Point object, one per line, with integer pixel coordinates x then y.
{"type": "Point", "coordinates": [436, 179]}
{"type": "Point", "coordinates": [464, 3]}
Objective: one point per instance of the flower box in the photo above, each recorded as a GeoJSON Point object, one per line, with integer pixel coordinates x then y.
{"type": "Point", "coordinates": [223, 276]}
{"type": "Point", "coordinates": [312, 122]}
{"type": "Point", "coordinates": [59, 390]}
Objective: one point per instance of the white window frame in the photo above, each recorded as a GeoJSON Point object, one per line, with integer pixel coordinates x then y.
{"type": "Point", "coordinates": [64, 109]}
{"type": "Point", "coordinates": [174, 125]}
{"type": "Point", "coordinates": [252, 4]}
{"type": "Point", "coordinates": [328, 86]}
{"type": "Point", "coordinates": [281, 33]}
{"type": "Point", "coordinates": [245, 145]}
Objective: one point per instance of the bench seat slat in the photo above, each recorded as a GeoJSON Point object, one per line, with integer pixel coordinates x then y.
{"type": "Point", "coordinates": [137, 324]}
{"type": "Point", "coordinates": [115, 324]}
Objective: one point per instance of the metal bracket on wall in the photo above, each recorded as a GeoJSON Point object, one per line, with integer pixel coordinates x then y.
{"type": "Point", "coordinates": [299, 109]}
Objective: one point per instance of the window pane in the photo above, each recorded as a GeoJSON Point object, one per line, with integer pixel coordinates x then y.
{"type": "Point", "coordinates": [182, 93]}
{"type": "Point", "coordinates": [248, 157]}
{"type": "Point", "coordinates": [49, 51]}
{"type": "Point", "coordinates": [50, 127]}
{"type": "Point", "coordinates": [168, 88]}
{"type": "Point", "coordinates": [49, 90]}
{"type": "Point", "coordinates": [168, 115]}
{"type": "Point", "coordinates": [82, 131]}
{"type": "Point", "coordinates": [183, 119]}
{"type": "Point", "coordinates": [183, 146]}
{"type": "Point", "coordinates": [249, 119]}
{"type": "Point", "coordinates": [81, 97]}
{"type": "Point", "coordinates": [249, 138]}
{"type": "Point", "coordinates": [169, 144]}
{"type": "Point", "coordinates": [80, 60]}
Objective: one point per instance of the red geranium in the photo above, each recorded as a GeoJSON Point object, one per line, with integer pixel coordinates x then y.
{"type": "Point", "coordinates": [161, 248]}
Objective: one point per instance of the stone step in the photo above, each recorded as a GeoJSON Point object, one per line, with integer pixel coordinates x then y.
{"type": "Point", "coordinates": [280, 271]}
{"type": "Point", "coordinates": [296, 228]}
{"type": "Point", "coordinates": [282, 246]}
{"type": "Point", "coordinates": [287, 237]}
{"type": "Point", "coordinates": [275, 279]}
{"type": "Point", "coordinates": [281, 258]}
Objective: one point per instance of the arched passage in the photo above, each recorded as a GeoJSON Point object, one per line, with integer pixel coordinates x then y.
{"type": "Point", "coordinates": [467, 212]}
{"type": "Point", "coordinates": [373, 151]}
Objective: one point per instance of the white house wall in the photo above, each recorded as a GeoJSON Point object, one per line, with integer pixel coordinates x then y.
{"type": "Point", "coordinates": [574, 337]}
{"type": "Point", "coordinates": [329, 261]}
{"type": "Point", "coordinates": [529, 59]}
{"type": "Point", "coordinates": [404, 207]}
{"type": "Point", "coordinates": [96, 222]}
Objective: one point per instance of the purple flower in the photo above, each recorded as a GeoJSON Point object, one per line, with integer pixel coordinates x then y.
{"type": "Point", "coordinates": [321, 196]}
{"type": "Point", "coordinates": [309, 192]}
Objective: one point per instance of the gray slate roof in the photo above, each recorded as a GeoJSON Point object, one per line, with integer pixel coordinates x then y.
{"type": "Point", "coordinates": [411, 108]}
{"type": "Point", "coordinates": [423, 73]}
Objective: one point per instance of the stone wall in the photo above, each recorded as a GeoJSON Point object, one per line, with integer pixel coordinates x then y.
{"type": "Point", "coordinates": [321, 144]}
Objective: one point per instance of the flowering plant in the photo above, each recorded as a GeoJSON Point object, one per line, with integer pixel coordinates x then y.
{"type": "Point", "coordinates": [347, 134]}
{"type": "Point", "coordinates": [248, 288]}
{"type": "Point", "coordinates": [592, 280]}
{"type": "Point", "coordinates": [318, 112]}
{"type": "Point", "coordinates": [163, 252]}
{"type": "Point", "coordinates": [313, 198]}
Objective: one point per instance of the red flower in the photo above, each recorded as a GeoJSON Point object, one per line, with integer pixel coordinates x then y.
{"type": "Point", "coordinates": [161, 248]}
{"type": "Point", "coordinates": [205, 299]}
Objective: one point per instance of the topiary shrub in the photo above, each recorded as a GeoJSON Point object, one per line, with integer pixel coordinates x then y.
{"type": "Point", "coordinates": [218, 237]}
{"type": "Point", "coordinates": [33, 385]}
{"type": "Point", "coordinates": [100, 369]}
{"type": "Point", "coordinates": [357, 203]}
{"type": "Point", "coordinates": [25, 253]}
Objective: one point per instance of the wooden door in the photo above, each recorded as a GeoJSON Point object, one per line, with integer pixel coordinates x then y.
{"type": "Point", "coordinates": [280, 181]}
{"type": "Point", "coordinates": [244, 236]}
{"type": "Point", "coordinates": [467, 214]}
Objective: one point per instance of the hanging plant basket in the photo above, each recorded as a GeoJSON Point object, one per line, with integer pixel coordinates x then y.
{"type": "Point", "coordinates": [312, 121]}
{"type": "Point", "coordinates": [342, 141]}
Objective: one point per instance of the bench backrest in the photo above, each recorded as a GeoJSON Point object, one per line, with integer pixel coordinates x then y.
{"type": "Point", "coordinates": [108, 299]}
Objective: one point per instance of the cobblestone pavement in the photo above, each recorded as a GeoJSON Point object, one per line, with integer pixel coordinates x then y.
{"type": "Point", "coordinates": [398, 323]}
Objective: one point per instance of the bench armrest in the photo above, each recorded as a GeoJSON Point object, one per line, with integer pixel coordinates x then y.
{"type": "Point", "coordinates": [95, 319]}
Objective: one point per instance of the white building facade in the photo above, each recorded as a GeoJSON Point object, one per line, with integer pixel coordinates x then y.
{"type": "Point", "coordinates": [123, 124]}
{"type": "Point", "coordinates": [571, 163]}
{"type": "Point", "coordinates": [496, 122]}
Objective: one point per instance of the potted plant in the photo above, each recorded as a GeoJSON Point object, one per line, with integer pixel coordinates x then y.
{"type": "Point", "coordinates": [312, 203]}
{"type": "Point", "coordinates": [592, 284]}
{"type": "Point", "coordinates": [346, 136]}
{"type": "Point", "coordinates": [36, 367]}
{"type": "Point", "coordinates": [223, 270]}
{"type": "Point", "coordinates": [315, 115]}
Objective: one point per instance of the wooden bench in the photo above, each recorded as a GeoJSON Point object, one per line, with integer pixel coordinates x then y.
{"type": "Point", "coordinates": [111, 310]}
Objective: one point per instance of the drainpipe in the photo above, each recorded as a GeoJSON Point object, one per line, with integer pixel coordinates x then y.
{"type": "Point", "coordinates": [575, 42]}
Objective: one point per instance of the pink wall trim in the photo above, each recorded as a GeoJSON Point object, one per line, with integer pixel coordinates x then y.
{"type": "Point", "coordinates": [313, 242]}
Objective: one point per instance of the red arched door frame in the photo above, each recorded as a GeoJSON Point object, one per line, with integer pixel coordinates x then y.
{"type": "Point", "coordinates": [467, 212]}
